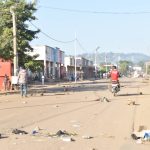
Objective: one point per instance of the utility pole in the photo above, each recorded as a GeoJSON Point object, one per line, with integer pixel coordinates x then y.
{"type": "Point", "coordinates": [75, 57]}
{"type": "Point", "coordinates": [12, 8]}
{"type": "Point", "coordinates": [95, 61]}
{"type": "Point", "coordinates": [106, 64]}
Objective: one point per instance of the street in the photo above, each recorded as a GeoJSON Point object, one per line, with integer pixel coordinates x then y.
{"type": "Point", "coordinates": [79, 109]}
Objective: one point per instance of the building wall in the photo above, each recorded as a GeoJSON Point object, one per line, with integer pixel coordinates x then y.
{"type": "Point", "coordinates": [53, 59]}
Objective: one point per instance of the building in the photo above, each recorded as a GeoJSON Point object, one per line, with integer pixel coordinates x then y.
{"type": "Point", "coordinates": [6, 68]}
{"type": "Point", "coordinates": [84, 67]}
{"type": "Point", "coordinates": [52, 59]}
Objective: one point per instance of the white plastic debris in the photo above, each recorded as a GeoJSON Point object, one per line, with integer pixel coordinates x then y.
{"type": "Point", "coordinates": [67, 139]}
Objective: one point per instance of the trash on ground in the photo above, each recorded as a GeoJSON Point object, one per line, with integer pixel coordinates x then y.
{"type": "Point", "coordinates": [2, 136]}
{"type": "Point", "coordinates": [34, 132]}
{"type": "Point", "coordinates": [103, 99]}
{"type": "Point", "coordinates": [87, 137]}
{"type": "Point", "coordinates": [56, 106]}
{"type": "Point", "coordinates": [37, 128]}
{"type": "Point", "coordinates": [141, 136]}
{"type": "Point", "coordinates": [63, 133]}
{"type": "Point", "coordinates": [67, 139]}
{"type": "Point", "coordinates": [76, 125]}
{"type": "Point", "coordinates": [17, 131]}
{"type": "Point", "coordinates": [139, 141]}
{"type": "Point", "coordinates": [131, 102]}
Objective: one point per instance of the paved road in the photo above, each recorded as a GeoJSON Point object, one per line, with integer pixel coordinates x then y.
{"type": "Point", "coordinates": [76, 110]}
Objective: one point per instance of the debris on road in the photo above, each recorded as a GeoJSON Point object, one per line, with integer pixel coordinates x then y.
{"type": "Point", "coordinates": [76, 125]}
{"type": "Point", "coordinates": [17, 131]}
{"type": "Point", "coordinates": [141, 136]}
{"type": "Point", "coordinates": [67, 139]}
{"type": "Point", "coordinates": [87, 137]}
{"type": "Point", "coordinates": [103, 99]}
{"type": "Point", "coordinates": [55, 106]}
{"type": "Point", "coordinates": [63, 135]}
{"type": "Point", "coordinates": [131, 102]}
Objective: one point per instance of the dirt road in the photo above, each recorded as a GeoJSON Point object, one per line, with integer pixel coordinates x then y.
{"type": "Point", "coordinates": [92, 124]}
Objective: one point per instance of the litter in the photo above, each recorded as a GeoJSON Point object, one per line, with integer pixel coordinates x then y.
{"type": "Point", "coordinates": [67, 139]}
{"type": "Point", "coordinates": [61, 133]}
{"type": "Point", "coordinates": [34, 132]}
{"type": "Point", "coordinates": [104, 99]}
{"type": "Point", "coordinates": [142, 136]}
{"type": "Point", "coordinates": [17, 131]}
{"type": "Point", "coordinates": [87, 137]}
{"type": "Point", "coordinates": [130, 102]}
{"type": "Point", "coordinates": [37, 128]}
{"type": "Point", "coordinates": [76, 125]}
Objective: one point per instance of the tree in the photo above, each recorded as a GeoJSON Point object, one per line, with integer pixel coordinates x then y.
{"type": "Point", "coordinates": [124, 67]}
{"type": "Point", "coordinates": [33, 65]}
{"type": "Point", "coordinates": [24, 12]}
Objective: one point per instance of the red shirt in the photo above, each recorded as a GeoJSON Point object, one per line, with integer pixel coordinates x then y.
{"type": "Point", "coordinates": [114, 75]}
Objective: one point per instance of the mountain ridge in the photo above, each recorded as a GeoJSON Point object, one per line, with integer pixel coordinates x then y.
{"type": "Point", "coordinates": [111, 57]}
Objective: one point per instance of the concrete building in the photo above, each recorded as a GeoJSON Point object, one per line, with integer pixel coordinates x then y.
{"type": "Point", "coordinates": [84, 67]}
{"type": "Point", "coordinates": [52, 58]}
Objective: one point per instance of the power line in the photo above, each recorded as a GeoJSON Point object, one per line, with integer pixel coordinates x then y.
{"type": "Point", "coordinates": [81, 45]}
{"type": "Point", "coordinates": [96, 12]}
{"type": "Point", "coordinates": [50, 36]}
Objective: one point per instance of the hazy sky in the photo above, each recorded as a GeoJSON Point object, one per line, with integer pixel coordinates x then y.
{"type": "Point", "coordinates": [124, 25]}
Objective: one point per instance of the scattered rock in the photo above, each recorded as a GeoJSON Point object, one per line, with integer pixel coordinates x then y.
{"type": "Point", "coordinates": [141, 93]}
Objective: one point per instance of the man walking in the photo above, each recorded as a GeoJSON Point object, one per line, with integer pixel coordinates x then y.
{"type": "Point", "coordinates": [22, 80]}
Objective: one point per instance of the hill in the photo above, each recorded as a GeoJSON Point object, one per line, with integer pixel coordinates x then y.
{"type": "Point", "coordinates": [116, 57]}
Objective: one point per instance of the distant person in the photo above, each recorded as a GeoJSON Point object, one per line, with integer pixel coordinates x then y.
{"type": "Point", "coordinates": [22, 80]}
{"type": "Point", "coordinates": [5, 82]}
{"type": "Point", "coordinates": [8, 84]}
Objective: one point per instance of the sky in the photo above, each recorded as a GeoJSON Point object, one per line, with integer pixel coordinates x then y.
{"type": "Point", "coordinates": [112, 25]}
